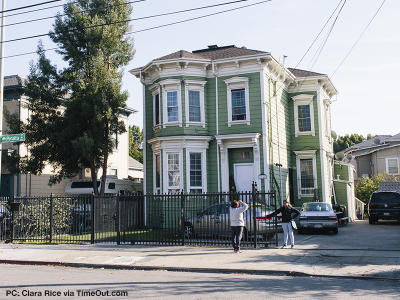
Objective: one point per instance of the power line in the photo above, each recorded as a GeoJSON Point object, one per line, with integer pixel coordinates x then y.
{"type": "Point", "coordinates": [359, 38]}
{"type": "Point", "coordinates": [319, 33]}
{"type": "Point", "coordinates": [51, 17]}
{"type": "Point", "coordinates": [319, 51]}
{"type": "Point", "coordinates": [29, 6]}
{"type": "Point", "coordinates": [141, 18]}
{"type": "Point", "coordinates": [125, 21]}
{"type": "Point", "coordinates": [160, 26]}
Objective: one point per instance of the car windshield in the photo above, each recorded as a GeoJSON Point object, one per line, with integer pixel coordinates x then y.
{"type": "Point", "coordinates": [387, 197]}
{"type": "Point", "coordinates": [316, 207]}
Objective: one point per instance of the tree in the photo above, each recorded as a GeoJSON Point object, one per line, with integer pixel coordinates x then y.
{"type": "Point", "coordinates": [75, 111]}
{"type": "Point", "coordinates": [342, 142]}
{"type": "Point", "coordinates": [135, 143]}
{"type": "Point", "coordinates": [366, 186]}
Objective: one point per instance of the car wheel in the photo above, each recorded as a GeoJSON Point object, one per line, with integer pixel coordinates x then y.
{"type": "Point", "coordinates": [188, 231]}
{"type": "Point", "coordinates": [269, 236]}
{"type": "Point", "coordinates": [300, 231]}
{"type": "Point", "coordinates": [335, 231]}
{"type": "Point", "coordinates": [371, 220]}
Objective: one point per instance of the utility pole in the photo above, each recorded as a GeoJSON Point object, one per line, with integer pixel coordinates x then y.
{"type": "Point", "coordinates": [3, 23]}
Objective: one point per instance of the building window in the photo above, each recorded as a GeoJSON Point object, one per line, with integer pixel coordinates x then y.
{"type": "Point", "coordinates": [196, 182]}
{"type": "Point", "coordinates": [238, 105]}
{"type": "Point", "coordinates": [157, 160]}
{"type": "Point", "coordinates": [172, 106]}
{"type": "Point", "coordinates": [194, 103]}
{"type": "Point", "coordinates": [157, 109]}
{"type": "Point", "coordinates": [171, 101]}
{"type": "Point", "coordinates": [392, 166]}
{"type": "Point", "coordinates": [238, 100]}
{"type": "Point", "coordinates": [306, 172]}
{"type": "Point", "coordinates": [306, 176]}
{"type": "Point", "coordinates": [304, 118]}
{"type": "Point", "coordinates": [173, 171]}
{"type": "Point", "coordinates": [194, 106]}
{"type": "Point", "coordinates": [303, 115]}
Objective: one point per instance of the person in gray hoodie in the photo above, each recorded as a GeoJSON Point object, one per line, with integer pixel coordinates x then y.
{"type": "Point", "coordinates": [237, 222]}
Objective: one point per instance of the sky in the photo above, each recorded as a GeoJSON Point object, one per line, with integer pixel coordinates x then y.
{"type": "Point", "coordinates": [366, 101]}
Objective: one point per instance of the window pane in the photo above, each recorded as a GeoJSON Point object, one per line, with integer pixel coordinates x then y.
{"type": "Point", "coordinates": [238, 105]}
{"type": "Point", "coordinates": [158, 168]}
{"type": "Point", "coordinates": [157, 109]}
{"type": "Point", "coordinates": [195, 169]}
{"type": "Point", "coordinates": [173, 170]}
{"type": "Point", "coordinates": [194, 106]}
{"type": "Point", "coordinates": [172, 106]}
{"type": "Point", "coordinates": [304, 118]}
{"type": "Point", "coordinates": [393, 167]}
{"type": "Point", "coordinates": [306, 175]}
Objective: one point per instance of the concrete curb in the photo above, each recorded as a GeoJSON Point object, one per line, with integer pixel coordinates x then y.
{"type": "Point", "coordinates": [195, 270]}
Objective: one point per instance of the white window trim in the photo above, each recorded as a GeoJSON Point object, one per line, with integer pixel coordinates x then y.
{"type": "Point", "coordinates": [167, 187]}
{"type": "Point", "coordinates": [309, 154]}
{"type": "Point", "coordinates": [171, 85]}
{"type": "Point", "coordinates": [327, 104]}
{"type": "Point", "coordinates": [203, 169]}
{"type": "Point", "coordinates": [195, 85]}
{"type": "Point", "coordinates": [387, 165]}
{"type": "Point", "coordinates": [303, 99]}
{"type": "Point", "coordinates": [235, 83]}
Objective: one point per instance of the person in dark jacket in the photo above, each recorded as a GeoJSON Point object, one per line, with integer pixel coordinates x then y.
{"type": "Point", "coordinates": [288, 214]}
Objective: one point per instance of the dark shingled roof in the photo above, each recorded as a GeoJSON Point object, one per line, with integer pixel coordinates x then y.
{"type": "Point", "coordinates": [13, 81]}
{"type": "Point", "coordinates": [303, 73]}
{"type": "Point", "coordinates": [180, 54]}
{"type": "Point", "coordinates": [212, 52]}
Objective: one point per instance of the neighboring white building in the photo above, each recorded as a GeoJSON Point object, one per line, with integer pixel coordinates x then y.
{"type": "Point", "coordinates": [37, 185]}
{"type": "Point", "coordinates": [135, 171]}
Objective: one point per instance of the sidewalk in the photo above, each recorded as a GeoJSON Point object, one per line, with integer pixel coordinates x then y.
{"type": "Point", "coordinates": [301, 261]}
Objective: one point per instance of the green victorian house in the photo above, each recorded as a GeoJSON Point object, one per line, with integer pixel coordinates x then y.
{"type": "Point", "coordinates": [223, 116]}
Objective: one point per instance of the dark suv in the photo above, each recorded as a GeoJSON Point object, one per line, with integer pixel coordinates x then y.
{"type": "Point", "coordinates": [384, 205]}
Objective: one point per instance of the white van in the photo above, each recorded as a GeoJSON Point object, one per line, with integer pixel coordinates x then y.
{"type": "Point", "coordinates": [113, 186]}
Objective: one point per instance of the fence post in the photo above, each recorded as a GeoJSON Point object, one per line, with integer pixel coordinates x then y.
{"type": "Point", "coordinates": [12, 220]}
{"type": "Point", "coordinates": [183, 217]}
{"type": "Point", "coordinates": [93, 221]}
{"type": "Point", "coordinates": [51, 218]}
{"type": "Point", "coordinates": [276, 219]}
{"type": "Point", "coordinates": [118, 221]}
{"type": "Point", "coordinates": [254, 195]}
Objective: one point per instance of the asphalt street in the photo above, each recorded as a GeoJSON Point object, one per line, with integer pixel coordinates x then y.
{"type": "Point", "coordinates": [36, 281]}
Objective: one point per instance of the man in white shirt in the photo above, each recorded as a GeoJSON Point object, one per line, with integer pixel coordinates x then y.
{"type": "Point", "coordinates": [237, 222]}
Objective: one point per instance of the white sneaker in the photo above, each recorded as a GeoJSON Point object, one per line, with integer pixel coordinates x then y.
{"type": "Point", "coordinates": [284, 247]}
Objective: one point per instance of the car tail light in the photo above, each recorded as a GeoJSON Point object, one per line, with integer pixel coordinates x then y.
{"type": "Point", "coordinates": [303, 218]}
{"type": "Point", "coordinates": [332, 218]}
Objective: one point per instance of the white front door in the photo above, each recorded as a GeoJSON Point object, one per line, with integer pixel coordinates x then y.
{"type": "Point", "coordinates": [243, 176]}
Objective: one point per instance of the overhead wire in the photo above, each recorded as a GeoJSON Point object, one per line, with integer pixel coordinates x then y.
{"type": "Point", "coordinates": [358, 39]}
{"type": "Point", "coordinates": [135, 19]}
{"type": "Point", "coordinates": [29, 6]}
{"type": "Point", "coordinates": [147, 29]}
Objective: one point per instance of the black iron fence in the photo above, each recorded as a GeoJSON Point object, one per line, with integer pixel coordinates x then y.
{"type": "Point", "coordinates": [165, 219]}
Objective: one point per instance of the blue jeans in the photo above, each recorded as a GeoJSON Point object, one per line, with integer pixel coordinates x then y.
{"type": "Point", "coordinates": [287, 231]}
{"type": "Point", "coordinates": [237, 232]}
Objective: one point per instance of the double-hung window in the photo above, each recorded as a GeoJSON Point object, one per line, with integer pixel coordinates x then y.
{"type": "Point", "coordinates": [157, 171]}
{"type": "Point", "coordinates": [173, 172]}
{"type": "Point", "coordinates": [194, 106]}
{"type": "Point", "coordinates": [172, 106]}
{"type": "Point", "coordinates": [196, 176]}
{"type": "Point", "coordinates": [238, 102]}
{"type": "Point", "coordinates": [171, 102]}
{"type": "Point", "coordinates": [303, 114]}
{"type": "Point", "coordinates": [306, 172]}
{"type": "Point", "coordinates": [157, 109]}
{"type": "Point", "coordinates": [238, 105]}
{"type": "Point", "coordinates": [194, 103]}
{"type": "Point", "coordinates": [304, 118]}
{"type": "Point", "coordinates": [392, 166]}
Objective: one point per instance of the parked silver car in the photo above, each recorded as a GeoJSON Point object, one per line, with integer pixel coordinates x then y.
{"type": "Point", "coordinates": [215, 221]}
{"type": "Point", "coordinates": [317, 215]}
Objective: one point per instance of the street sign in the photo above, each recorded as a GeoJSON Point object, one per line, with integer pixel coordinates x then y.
{"type": "Point", "coordinates": [13, 138]}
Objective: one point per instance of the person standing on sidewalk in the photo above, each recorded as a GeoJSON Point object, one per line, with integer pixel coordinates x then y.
{"type": "Point", "coordinates": [288, 214]}
{"type": "Point", "coordinates": [237, 222]}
